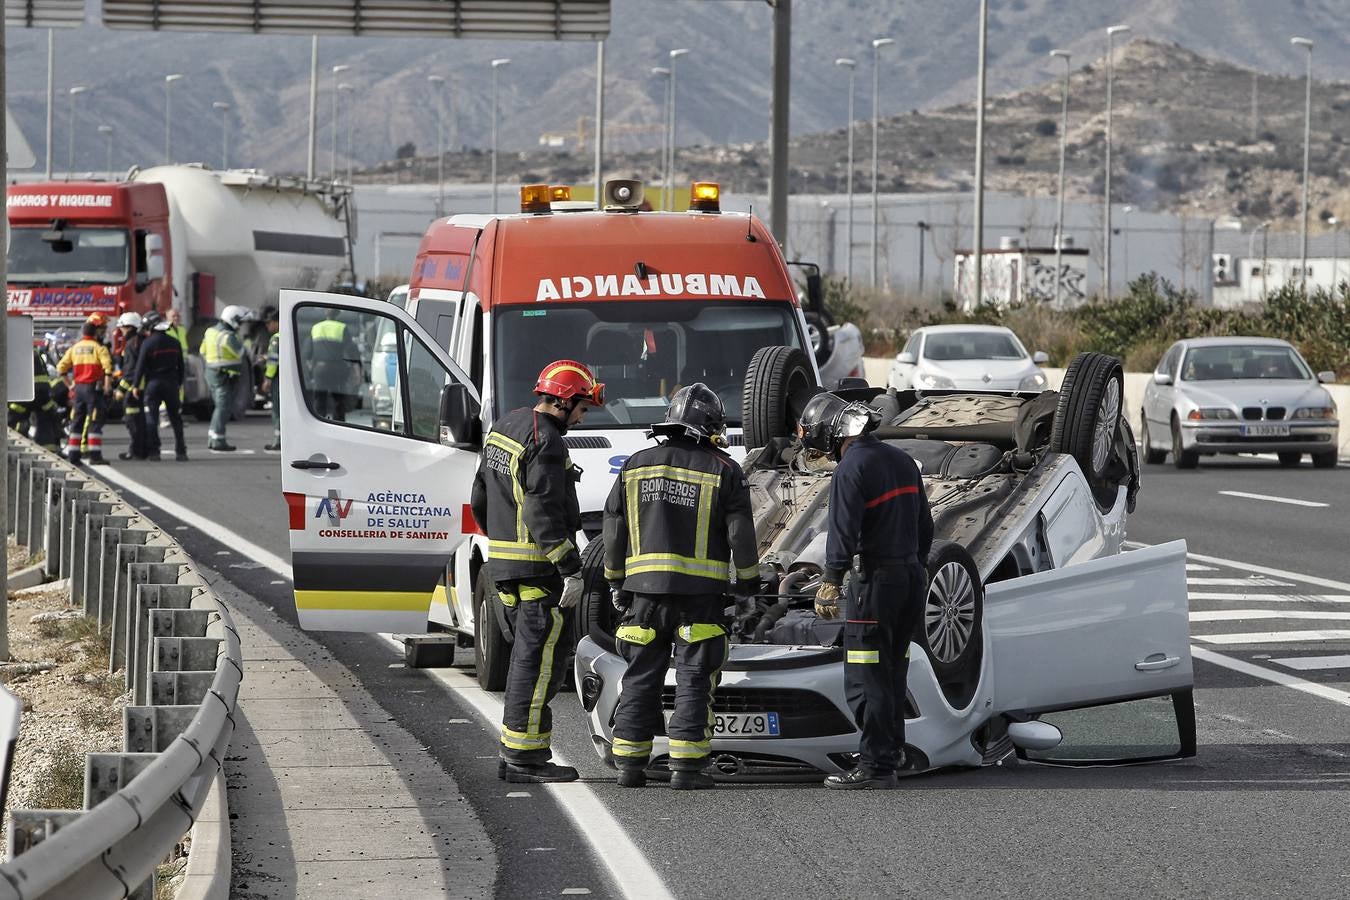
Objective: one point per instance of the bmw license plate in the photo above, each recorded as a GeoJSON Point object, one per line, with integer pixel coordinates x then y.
{"type": "Point", "coordinates": [746, 724]}
{"type": "Point", "coordinates": [1265, 430]}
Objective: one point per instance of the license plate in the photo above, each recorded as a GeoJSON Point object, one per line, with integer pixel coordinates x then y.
{"type": "Point", "coordinates": [746, 724]}
{"type": "Point", "coordinates": [1265, 430]}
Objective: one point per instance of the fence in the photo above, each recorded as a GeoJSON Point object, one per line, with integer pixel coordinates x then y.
{"type": "Point", "coordinates": [177, 645]}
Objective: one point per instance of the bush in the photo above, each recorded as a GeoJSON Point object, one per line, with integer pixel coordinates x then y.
{"type": "Point", "coordinates": [1047, 128]}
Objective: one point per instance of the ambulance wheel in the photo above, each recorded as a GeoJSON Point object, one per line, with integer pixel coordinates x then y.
{"type": "Point", "coordinates": [778, 383]}
{"type": "Point", "coordinates": [491, 652]}
{"type": "Point", "coordinates": [596, 616]}
{"type": "Point", "coordinates": [952, 630]}
{"type": "Point", "coordinates": [1088, 422]}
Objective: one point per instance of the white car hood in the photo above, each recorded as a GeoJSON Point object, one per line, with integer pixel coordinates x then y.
{"type": "Point", "coordinates": [982, 374]}
{"type": "Point", "coordinates": [1255, 392]}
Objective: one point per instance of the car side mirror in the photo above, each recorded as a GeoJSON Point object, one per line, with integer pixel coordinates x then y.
{"type": "Point", "coordinates": [460, 425]}
{"type": "Point", "coordinates": [906, 358]}
{"type": "Point", "coordinates": [1162, 378]}
{"type": "Point", "coordinates": [1326, 377]}
{"type": "Point", "coordinates": [815, 291]}
{"type": "Point", "coordinates": [1040, 357]}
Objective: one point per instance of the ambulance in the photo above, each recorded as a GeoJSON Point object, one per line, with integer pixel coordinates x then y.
{"type": "Point", "coordinates": [377, 486]}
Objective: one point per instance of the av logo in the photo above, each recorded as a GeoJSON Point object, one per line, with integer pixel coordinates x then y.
{"type": "Point", "coordinates": [334, 507]}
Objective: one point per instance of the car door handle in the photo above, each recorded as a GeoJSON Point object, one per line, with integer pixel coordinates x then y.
{"type": "Point", "coordinates": [1156, 661]}
{"type": "Point", "coordinates": [312, 464]}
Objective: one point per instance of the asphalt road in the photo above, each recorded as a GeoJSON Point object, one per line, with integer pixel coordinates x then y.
{"type": "Point", "coordinates": [1261, 809]}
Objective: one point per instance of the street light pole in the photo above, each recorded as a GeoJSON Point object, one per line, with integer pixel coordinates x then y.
{"type": "Point", "coordinates": [979, 154]}
{"type": "Point", "coordinates": [332, 158]}
{"type": "Point", "coordinates": [76, 91]}
{"type": "Point", "coordinates": [599, 121]}
{"type": "Point", "coordinates": [1063, 149]}
{"type": "Point", "coordinates": [1307, 138]}
{"type": "Point", "coordinates": [877, 44]}
{"type": "Point", "coordinates": [51, 98]}
{"type": "Point", "coordinates": [311, 159]}
{"type": "Point", "coordinates": [1106, 196]}
{"type": "Point", "coordinates": [224, 133]}
{"type": "Point", "coordinates": [496, 64]}
{"type": "Point", "coordinates": [1125, 243]}
{"type": "Point", "coordinates": [438, 83]}
{"type": "Point", "coordinates": [670, 164]}
{"type": "Point", "coordinates": [350, 91]}
{"type": "Point", "coordinates": [107, 132]}
{"type": "Point", "coordinates": [663, 72]}
{"type": "Point", "coordinates": [852, 67]}
{"type": "Point", "coordinates": [168, 117]}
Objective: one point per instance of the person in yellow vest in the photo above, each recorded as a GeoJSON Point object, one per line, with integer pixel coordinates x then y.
{"type": "Point", "coordinates": [176, 329]}
{"type": "Point", "coordinates": [272, 319]}
{"type": "Point", "coordinates": [332, 354]}
{"type": "Point", "coordinates": [223, 353]}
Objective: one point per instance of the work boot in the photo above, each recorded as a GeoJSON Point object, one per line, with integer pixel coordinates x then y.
{"type": "Point", "coordinates": [273, 447]}
{"type": "Point", "coordinates": [96, 459]}
{"type": "Point", "coordinates": [127, 454]}
{"type": "Point", "coordinates": [539, 774]}
{"type": "Point", "coordinates": [220, 447]}
{"type": "Point", "coordinates": [181, 457]}
{"type": "Point", "coordinates": [860, 780]}
{"type": "Point", "coordinates": [632, 777]}
{"type": "Point", "coordinates": [152, 457]}
{"type": "Point", "coordinates": [682, 780]}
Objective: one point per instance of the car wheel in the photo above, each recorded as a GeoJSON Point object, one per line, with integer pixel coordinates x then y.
{"type": "Point", "coordinates": [778, 383]}
{"type": "Point", "coordinates": [1324, 460]}
{"type": "Point", "coordinates": [1182, 459]}
{"type": "Point", "coordinates": [1289, 458]}
{"type": "Point", "coordinates": [491, 652]}
{"type": "Point", "coordinates": [952, 632]}
{"type": "Point", "coordinates": [1151, 456]}
{"type": "Point", "coordinates": [1087, 423]}
{"type": "Point", "coordinates": [818, 333]}
{"type": "Point", "coordinates": [596, 616]}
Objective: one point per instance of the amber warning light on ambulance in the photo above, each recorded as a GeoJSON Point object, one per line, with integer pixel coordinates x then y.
{"type": "Point", "coordinates": [534, 198]}
{"type": "Point", "coordinates": [560, 193]}
{"type": "Point", "coordinates": [705, 196]}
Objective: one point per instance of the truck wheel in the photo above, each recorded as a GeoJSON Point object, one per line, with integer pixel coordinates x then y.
{"type": "Point", "coordinates": [1087, 422]}
{"type": "Point", "coordinates": [778, 383]}
{"type": "Point", "coordinates": [952, 633]}
{"type": "Point", "coordinates": [596, 616]}
{"type": "Point", "coordinates": [491, 652]}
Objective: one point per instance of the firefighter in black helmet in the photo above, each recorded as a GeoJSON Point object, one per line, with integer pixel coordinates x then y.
{"type": "Point", "coordinates": [677, 524]}
{"type": "Point", "coordinates": [878, 514]}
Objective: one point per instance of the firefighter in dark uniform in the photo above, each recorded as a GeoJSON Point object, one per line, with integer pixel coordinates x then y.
{"type": "Point", "coordinates": [128, 390]}
{"type": "Point", "coordinates": [677, 520]}
{"type": "Point", "coordinates": [38, 417]}
{"type": "Point", "coordinates": [879, 515]}
{"type": "Point", "coordinates": [525, 499]}
{"type": "Point", "coordinates": [91, 365]}
{"type": "Point", "coordinates": [160, 370]}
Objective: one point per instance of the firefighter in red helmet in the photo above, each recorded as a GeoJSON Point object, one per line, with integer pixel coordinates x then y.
{"type": "Point", "coordinates": [525, 500]}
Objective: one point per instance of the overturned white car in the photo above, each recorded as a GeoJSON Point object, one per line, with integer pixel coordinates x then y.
{"type": "Point", "coordinates": [1039, 635]}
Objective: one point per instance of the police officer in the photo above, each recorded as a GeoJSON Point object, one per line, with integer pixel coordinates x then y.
{"type": "Point", "coordinates": [223, 353]}
{"type": "Point", "coordinates": [128, 389]}
{"type": "Point", "coordinates": [332, 354]}
{"type": "Point", "coordinates": [525, 498]}
{"type": "Point", "coordinates": [677, 517]}
{"type": "Point", "coordinates": [272, 319]}
{"type": "Point", "coordinates": [879, 514]}
{"type": "Point", "coordinates": [161, 370]}
{"type": "Point", "coordinates": [90, 363]}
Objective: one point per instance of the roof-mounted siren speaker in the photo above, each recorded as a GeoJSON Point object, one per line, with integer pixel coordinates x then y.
{"type": "Point", "coordinates": [623, 193]}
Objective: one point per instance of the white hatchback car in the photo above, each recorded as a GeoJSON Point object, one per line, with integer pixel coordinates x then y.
{"type": "Point", "coordinates": [967, 358]}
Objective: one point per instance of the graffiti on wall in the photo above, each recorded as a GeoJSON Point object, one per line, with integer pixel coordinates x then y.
{"type": "Point", "coordinates": [1040, 283]}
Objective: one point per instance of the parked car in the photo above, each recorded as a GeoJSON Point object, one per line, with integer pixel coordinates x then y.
{"type": "Point", "coordinates": [967, 358]}
{"type": "Point", "coordinates": [1040, 636]}
{"type": "Point", "coordinates": [1238, 395]}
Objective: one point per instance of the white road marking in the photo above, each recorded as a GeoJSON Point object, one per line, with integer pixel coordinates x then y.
{"type": "Point", "coordinates": [1196, 567]}
{"type": "Point", "coordinates": [1236, 615]}
{"type": "Point", "coordinates": [511, 795]}
{"type": "Point", "coordinates": [1273, 676]}
{"type": "Point", "coordinates": [1289, 500]}
{"type": "Point", "coordinates": [1274, 637]}
{"type": "Point", "coordinates": [1238, 582]}
{"type": "Point", "coordinates": [1271, 598]}
{"type": "Point", "coordinates": [1310, 663]}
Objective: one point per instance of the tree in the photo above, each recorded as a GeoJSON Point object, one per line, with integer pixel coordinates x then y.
{"type": "Point", "coordinates": [406, 151]}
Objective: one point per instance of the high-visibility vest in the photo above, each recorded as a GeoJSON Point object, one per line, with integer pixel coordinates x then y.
{"type": "Point", "coordinates": [179, 333]}
{"type": "Point", "coordinates": [273, 356]}
{"type": "Point", "coordinates": [221, 348]}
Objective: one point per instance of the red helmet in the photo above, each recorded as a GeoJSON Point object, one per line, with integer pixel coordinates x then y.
{"type": "Point", "coordinates": [97, 319]}
{"type": "Point", "coordinates": [567, 378]}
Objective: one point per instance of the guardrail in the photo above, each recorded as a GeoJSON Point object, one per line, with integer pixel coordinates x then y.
{"type": "Point", "coordinates": [177, 645]}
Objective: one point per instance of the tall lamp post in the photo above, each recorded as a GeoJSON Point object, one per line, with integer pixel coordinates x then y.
{"type": "Point", "coordinates": [107, 132]}
{"type": "Point", "coordinates": [168, 117]}
{"type": "Point", "coordinates": [852, 66]}
{"type": "Point", "coordinates": [438, 84]}
{"type": "Point", "coordinates": [1335, 252]}
{"type": "Point", "coordinates": [1063, 149]}
{"type": "Point", "coordinates": [979, 153]}
{"type": "Point", "coordinates": [670, 152]}
{"type": "Point", "coordinates": [224, 133]}
{"type": "Point", "coordinates": [1106, 194]}
{"type": "Point", "coordinates": [1125, 244]}
{"type": "Point", "coordinates": [350, 91]}
{"type": "Point", "coordinates": [75, 92]}
{"type": "Point", "coordinates": [1307, 137]}
{"type": "Point", "coordinates": [663, 72]}
{"type": "Point", "coordinates": [496, 64]}
{"type": "Point", "coordinates": [877, 44]}
{"type": "Point", "coordinates": [332, 156]}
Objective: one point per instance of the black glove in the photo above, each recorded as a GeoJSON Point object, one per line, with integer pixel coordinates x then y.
{"type": "Point", "coordinates": [748, 587]}
{"type": "Point", "coordinates": [621, 599]}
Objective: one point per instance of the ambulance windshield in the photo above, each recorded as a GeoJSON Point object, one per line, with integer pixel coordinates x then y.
{"type": "Point", "coordinates": [82, 256]}
{"type": "Point", "coordinates": [642, 351]}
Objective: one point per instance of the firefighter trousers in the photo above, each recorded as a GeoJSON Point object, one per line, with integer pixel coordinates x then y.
{"type": "Point", "coordinates": [885, 606]}
{"type": "Point", "coordinates": [538, 663]}
{"type": "Point", "coordinates": [693, 627]}
{"type": "Point", "coordinates": [134, 416]}
{"type": "Point", "coordinates": [163, 391]}
{"type": "Point", "coordinates": [86, 422]}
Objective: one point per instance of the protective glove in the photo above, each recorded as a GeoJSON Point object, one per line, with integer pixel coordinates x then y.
{"type": "Point", "coordinates": [621, 599]}
{"type": "Point", "coordinates": [748, 587]}
{"type": "Point", "coordinates": [827, 600]}
{"type": "Point", "coordinates": [571, 595]}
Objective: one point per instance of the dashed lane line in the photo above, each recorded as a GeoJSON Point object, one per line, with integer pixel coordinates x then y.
{"type": "Point", "coordinates": [1314, 663]}
{"type": "Point", "coordinates": [1274, 637]}
{"type": "Point", "coordinates": [1238, 615]}
{"type": "Point", "coordinates": [1270, 499]}
{"type": "Point", "coordinates": [1270, 598]}
{"type": "Point", "coordinates": [1238, 582]}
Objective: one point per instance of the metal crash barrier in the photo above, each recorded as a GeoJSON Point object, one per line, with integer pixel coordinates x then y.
{"type": "Point", "coordinates": [177, 647]}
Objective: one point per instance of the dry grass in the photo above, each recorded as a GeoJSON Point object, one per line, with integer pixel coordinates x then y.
{"type": "Point", "coordinates": [60, 783]}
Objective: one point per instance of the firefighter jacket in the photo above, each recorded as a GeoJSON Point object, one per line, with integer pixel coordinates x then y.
{"type": "Point", "coordinates": [222, 349]}
{"type": "Point", "coordinates": [42, 389]}
{"type": "Point", "coordinates": [160, 359]}
{"type": "Point", "coordinates": [878, 509]}
{"type": "Point", "coordinates": [126, 363]}
{"type": "Point", "coordinates": [89, 360]}
{"type": "Point", "coordinates": [676, 519]}
{"type": "Point", "coordinates": [525, 498]}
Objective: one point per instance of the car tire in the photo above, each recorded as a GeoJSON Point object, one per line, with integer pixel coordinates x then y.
{"type": "Point", "coordinates": [778, 383]}
{"type": "Point", "coordinates": [1182, 459]}
{"type": "Point", "coordinates": [596, 616]}
{"type": "Point", "coordinates": [818, 333]}
{"type": "Point", "coordinates": [1289, 458]}
{"type": "Point", "coordinates": [1151, 456]}
{"type": "Point", "coordinates": [1324, 460]}
{"type": "Point", "coordinates": [491, 652]}
{"type": "Point", "coordinates": [952, 626]}
{"type": "Point", "coordinates": [1087, 421]}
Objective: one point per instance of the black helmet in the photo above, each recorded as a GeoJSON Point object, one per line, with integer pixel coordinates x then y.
{"type": "Point", "coordinates": [828, 420]}
{"type": "Point", "coordinates": [696, 412]}
{"type": "Point", "coordinates": [150, 320]}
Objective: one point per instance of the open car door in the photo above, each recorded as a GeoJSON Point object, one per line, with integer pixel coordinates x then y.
{"type": "Point", "coordinates": [1101, 650]}
{"type": "Point", "coordinates": [379, 436]}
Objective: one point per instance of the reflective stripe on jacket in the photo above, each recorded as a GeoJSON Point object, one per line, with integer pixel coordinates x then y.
{"type": "Point", "coordinates": [221, 348]}
{"type": "Point", "coordinates": [89, 360]}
